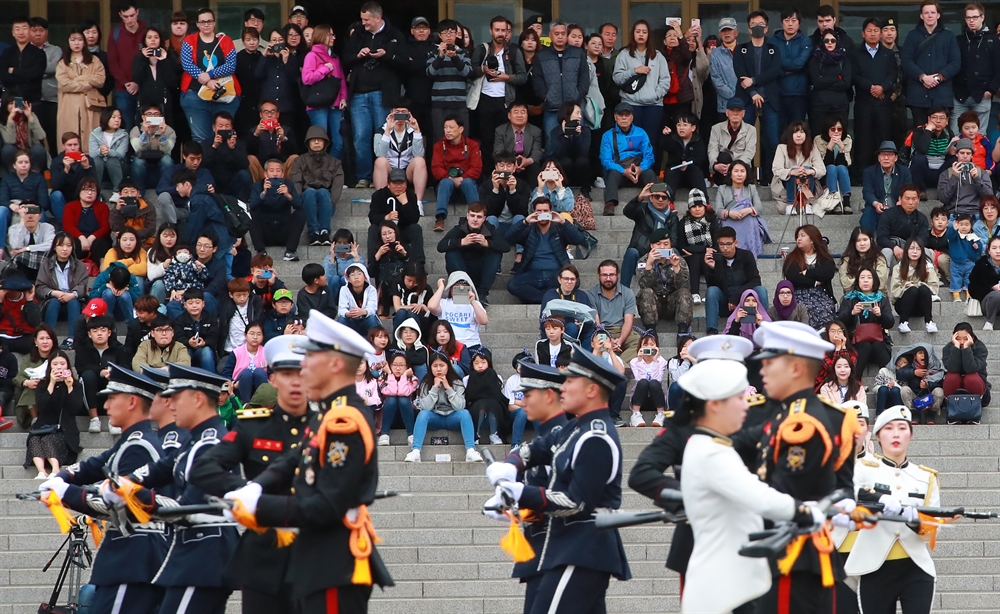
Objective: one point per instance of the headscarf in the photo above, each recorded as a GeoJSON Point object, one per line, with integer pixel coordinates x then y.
{"type": "Point", "coordinates": [784, 313]}
{"type": "Point", "coordinates": [747, 330]}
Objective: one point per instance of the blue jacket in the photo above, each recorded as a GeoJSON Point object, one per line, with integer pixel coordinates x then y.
{"type": "Point", "coordinates": [272, 203]}
{"type": "Point", "coordinates": [794, 80]}
{"type": "Point", "coordinates": [873, 188]}
{"type": "Point", "coordinates": [205, 215]}
{"type": "Point", "coordinates": [32, 189]}
{"type": "Point", "coordinates": [963, 250]}
{"type": "Point", "coordinates": [765, 82]}
{"type": "Point", "coordinates": [275, 323]}
{"type": "Point", "coordinates": [938, 56]}
{"type": "Point", "coordinates": [166, 182]}
{"type": "Point", "coordinates": [559, 236]}
{"type": "Point", "coordinates": [720, 67]}
{"type": "Point", "coordinates": [635, 143]}
{"type": "Point", "coordinates": [101, 283]}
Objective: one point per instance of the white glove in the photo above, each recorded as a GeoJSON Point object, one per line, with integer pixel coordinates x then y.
{"type": "Point", "coordinates": [846, 506]}
{"type": "Point", "coordinates": [910, 513]}
{"type": "Point", "coordinates": [110, 497]}
{"type": "Point", "coordinates": [56, 485]}
{"type": "Point", "coordinates": [819, 516]}
{"type": "Point", "coordinates": [513, 490]}
{"type": "Point", "coordinates": [890, 505]}
{"type": "Point", "coordinates": [500, 472]}
{"type": "Point", "coordinates": [494, 502]}
{"type": "Point", "coordinates": [843, 521]}
{"type": "Point", "coordinates": [248, 496]}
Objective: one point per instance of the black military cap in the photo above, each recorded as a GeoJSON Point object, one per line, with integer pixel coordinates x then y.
{"type": "Point", "coordinates": [600, 371]}
{"type": "Point", "coordinates": [126, 381]}
{"type": "Point", "coordinates": [540, 376]}
{"type": "Point", "coordinates": [160, 376]}
{"type": "Point", "coordinates": [183, 377]}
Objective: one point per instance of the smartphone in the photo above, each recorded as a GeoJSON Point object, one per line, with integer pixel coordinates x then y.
{"type": "Point", "coordinates": [76, 156]}
{"type": "Point", "coordinates": [696, 23]}
{"type": "Point", "coordinates": [460, 294]}
{"type": "Point", "coordinates": [712, 44]}
{"type": "Point", "coordinates": [400, 117]}
{"type": "Point", "coordinates": [648, 351]}
{"type": "Point", "coordinates": [341, 248]}
{"type": "Point", "coordinates": [673, 22]}
{"type": "Point", "coordinates": [156, 121]}
{"type": "Point", "coordinates": [226, 134]}
{"type": "Point", "coordinates": [867, 304]}
{"type": "Point", "coordinates": [658, 187]}
{"type": "Point", "coordinates": [751, 316]}
{"type": "Point", "coordinates": [667, 253]}
{"type": "Point", "coordinates": [503, 175]}
{"type": "Point", "coordinates": [545, 216]}
{"type": "Point", "coordinates": [277, 48]}
{"type": "Point", "coordinates": [550, 175]}
{"type": "Point", "coordinates": [602, 338]}
{"type": "Point", "coordinates": [18, 102]}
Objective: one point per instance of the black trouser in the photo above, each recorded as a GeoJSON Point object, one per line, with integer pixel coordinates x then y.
{"type": "Point", "coordinates": [696, 264]}
{"type": "Point", "coordinates": [571, 590]}
{"type": "Point", "coordinates": [131, 599]}
{"type": "Point", "coordinates": [422, 111]}
{"type": "Point", "coordinates": [256, 602]}
{"type": "Point", "coordinates": [488, 414]}
{"type": "Point", "coordinates": [872, 125]}
{"type": "Point", "coordinates": [278, 230]}
{"type": "Point", "coordinates": [872, 352]}
{"type": "Point", "coordinates": [491, 114]}
{"type": "Point", "coordinates": [46, 114]}
{"type": "Point", "coordinates": [530, 592]}
{"type": "Point", "coordinates": [92, 384]}
{"type": "Point", "coordinates": [916, 301]}
{"type": "Point", "coordinates": [725, 157]}
{"type": "Point", "coordinates": [648, 390]}
{"type": "Point", "coordinates": [98, 249]}
{"type": "Point", "coordinates": [900, 580]}
{"type": "Point", "coordinates": [690, 176]}
{"type": "Point", "coordinates": [613, 179]}
{"type": "Point", "coordinates": [847, 599]}
{"type": "Point", "coordinates": [616, 399]}
{"type": "Point", "coordinates": [191, 599]}
{"type": "Point", "coordinates": [801, 592]}
{"type": "Point", "coordinates": [577, 169]}
{"type": "Point", "coordinates": [351, 599]}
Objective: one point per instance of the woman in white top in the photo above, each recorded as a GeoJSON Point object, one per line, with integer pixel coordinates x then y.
{"type": "Point", "coordinates": [644, 78]}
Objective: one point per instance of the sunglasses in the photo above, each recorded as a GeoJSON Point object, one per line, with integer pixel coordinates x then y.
{"type": "Point", "coordinates": [829, 40]}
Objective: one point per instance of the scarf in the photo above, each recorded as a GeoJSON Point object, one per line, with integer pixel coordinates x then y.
{"type": "Point", "coordinates": [659, 217]}
{"type": "Point", "coordinates": [698, 231]}
{"type": "Point", "coordinates": [829, 58]}
{"type": "Point", "coordinates": [874, 297]}
{"type": "Point", "coordinates": [784, 313]}
{"type": "Point", "coordinates": [747, 330]}
{"type": "Point", "coordinates": [21, 133]}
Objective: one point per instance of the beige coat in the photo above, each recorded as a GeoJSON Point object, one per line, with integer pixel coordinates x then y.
{"type": "Point", "coordinates": [783, 164]}
{"type": "Point", "coordinates": [80, 103]}
{"type": "Point", "coordinates": [698, 82]}
{"type": "Point", "coordinates": [898, 286]}
{"type": "Point", "coordinates": [881, 269]}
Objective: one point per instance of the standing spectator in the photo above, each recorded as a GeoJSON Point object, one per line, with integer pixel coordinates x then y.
{"type": "Point", "coordinates": [651, 211]}
{"type": "Point", "coordinates": [68, 169]}
{"type": "Point", "coordinates": [881, 185]}
{"type": "Point", "coordinates": [562, 74]}
{"type": "Point", "coordinates": [914, 283]}
{"type": "Point", "coordinates": [109, 146]}
{"type": "Point", "coordinates": [757, 65]}
{"type": "Point", "coordinates": [278, 74]}
{"type": "Point", "coordinates": [449, 67]}
{"type": "Point", "coordinates": [79, 76]}
{"type": "Point", "coordinates": [126, 41]}
{"type": "Point", "coordinates": [276, 211]}
{"type": "Point", "coordinates": [738, 205]}
{"type": "Point", "coordinates": [721, 67]}
{"type": "Point", "coordinates": [826, 19]}
{"type": "Point", "coordinates": [984, 282]}
{"type": "Point", "coordinates": [45, 107]}
{"type": "Point", "coordinates": [796, 49]}
{"type": "Point", "coordinates": [901, 223]}
{"type": "Point", "coordinates": [22, 185]}
{"type": "Point", "coordinates": [374, 53]}
{"type": "Point", "coordinates": [62, 285]}
{"type": "Point", "coordinates": [298, 16]}
{"type": "Point", "coordinates": [457, 164]}
{"type": "Point", "coordinates": [319, 179]}
{"type": "Point", "coordinates": [530, 44]}
{"type": "Point", "coordinates": [156, 72]}
{"type": "Point", "coordinates": [225, 157]}
{"type": "Point", "coordinates": [874, 74]}
{"type": "Point", "coordinates": [929, 144]}
{"type": "Point", "coordinates": [729, 271]}
{"type": "Point", "coordinates": [797, 166]}
{"type": "Point", "coordinates": [616, 311]}
{"type": "Point", "coordinates": [680, 93]}
{"type": "Point", "coordinates": [811, 269]}
{"type": "Point", "coordinates": [152, 141]}
{"type": "Point", "coordinates": [964, 248]}
{"type": "Point", "coordinates": [930, 63]}
{"type": "Point", "coordinates": [22, 65]}
{"type": "Point", "coordinates": [318, 65]}
{"type": "Point", "coordinates": [499, 67]}
{"type": "Point", "coordinates": [730, 140]}
{"type": "Point", "coordinates": [521, 138]}
{"type": "Point", "coordinates": [626, 154]}
{"type": "Point", "coordinates": [544, 235]}
{"type": "Point", "coordinates": [416, 81]}
{"type": "Point", "coordinates": [830, 75]}
{"type": "Point", "coordinates": [963, 186]}
{"type": "Point", "coordinates": [965, 359]}
{"type": "Point", "coordinates": [400, 145]}
{"type": "Point", "coordinates": [862, 252]}
{"type": "Point", "coordinates": [979, 76]}
{"type": "Point", "coordinates": [867, 314]}
{"type": "Point", "coordinates": [569, 147]}
{"type": "Point", "coordinates": [209, 62]}
{"type": "Point", "coordinates": [247, 61]}
{"type": "Point", "coordinates": [664, 291]}
{"type": "Point", "coordinates": [476, 247]}
{"type": "Point", "coordinates": [21, 130]}
{"type": "Point", "coordinates": [92, 34]}
{"type": "Point", "coordinates": [644, 78]}
{"type": "Point", "coordinates": [86, 221]}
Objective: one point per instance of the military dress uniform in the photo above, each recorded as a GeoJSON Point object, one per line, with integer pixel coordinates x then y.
{"type": "Point", "coordinates": [259, 436]}
{"type": "Point", "coordinates": [891, 560]}
{"type": "Point", "coordinates": [172, 437]}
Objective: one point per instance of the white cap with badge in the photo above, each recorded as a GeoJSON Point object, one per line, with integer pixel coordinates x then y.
{"type": "Point", "coordinates": [860, 408]}
{"type": "Point", "coordinates": [280, 352]}
{"type": "Point", "coordinates": [719, 372]}
{"type": "Point", "coordinates": [721, 347]}
{"type": "Point", "coordinates": [789, 338]}
{"type": "Point", "coordinates": [896, 412]}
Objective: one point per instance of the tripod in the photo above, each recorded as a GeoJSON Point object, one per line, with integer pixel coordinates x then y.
{"type": "Point", "coordinates": [800, 209]}
{"type": "Point", "coordinates": [77, 558]}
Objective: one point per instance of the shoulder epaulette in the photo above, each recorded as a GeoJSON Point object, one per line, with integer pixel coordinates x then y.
{"type": "Point", "coordinates": [253, 412]}
{"type": "Point", "coordinates": [869, 463]}
{"type": "Point", "coordinates": [830, 403]}
{"type": "Point", "coordinates": [342, 419]}
{"type": "Point", "coordinates": [928, 469]}
{"type": "Point", "coordinates": [756, 399]}
{"type": "Point", "coordinates": [723, 441]}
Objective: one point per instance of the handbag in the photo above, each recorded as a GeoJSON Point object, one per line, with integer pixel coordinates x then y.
{"type": "Point", "coordinates": [475, 87]}
{"type": "Point", "coordinates": [635, 83]}
{"type": "Point", "coordinates": [48, 429]}
{"type": "Point", "coordinates": [963, 406]}
{"type": "Point", "coordinates": [827, 202]}
{"type": "Point", "coordinates": [238, 220]}
{"type": "Point", "coordinates": [224, 95]}
{"type": "Point", "coordinates": [868, 332]}
{"type": "Point", "coordinates": [583, 213]}
{"type": "Point", "coordinates": [583, 251]}
{"type": "Point", "coordinates": [923, 403]}
{"type": "Point", "coordinates": [320, 94]}
{"type": "Point", "coordinates": [973, 308]}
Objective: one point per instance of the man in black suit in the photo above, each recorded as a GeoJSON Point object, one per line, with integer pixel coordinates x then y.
{"type": "Point", "coordinates": [522, 138]}
{"type": "Point", "coordinates": [874, 81]}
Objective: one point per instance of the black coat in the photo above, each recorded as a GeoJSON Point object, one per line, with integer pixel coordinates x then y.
{"type": "Point", "coordinates": [381, 206]}
{"type": "Point", "coordinates": [867, 71]}
{"type": "Point", "coordinates": [896, 224]}
{"type": "Point", "coordinates": [824, 271]}
{"type": "Point", "coordinates": [980, 64]}
{"type": "Point", "coordinates": [516, 201]}
{"type": "Point", "coordinates": [733, 279]}
{"type": "Point", "coordinates": [382, 74]}
{"type": "Point", "coordinates": [453, 239]}
{"type": "Point", "coordinates": [695, 151]}
{"type": "Point", "coordinates": [765, 82]}
{"type": "Point", "coordinates": [25, 80]}
{"type": "Point", "coordinates": [248, 115]}
{"type": "Point", "coordinates": [983, 278]}
{"type": "Point", "coordinates": [159, 89]}
{"type": "Point", "coordinates": [415, 78]}
{"type": "Point", "coordinates": [830, 83]}
{"type": "Point", "coordinates": [638, 211]}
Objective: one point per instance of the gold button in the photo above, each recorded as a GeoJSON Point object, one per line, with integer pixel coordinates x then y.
{"type": "Point", "coordinates": [264, 458]}
{"type": "Point", "coordinates": [295, 445]}
{"type": "Point", "coordinates": [293, 490]}
{"type": "Point", "coordinates": [294, 431]}
{"type": "Point", "coordinates": [296, 471]}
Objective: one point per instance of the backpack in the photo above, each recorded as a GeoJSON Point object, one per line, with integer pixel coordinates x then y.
{"type": "Point", "coordinates": [237, 216]}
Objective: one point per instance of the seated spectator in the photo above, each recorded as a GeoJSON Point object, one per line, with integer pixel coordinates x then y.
{"type": "Point", "coordinates": [626, 154]}
{"type": "Point", "coordinates": [552, 184]}
{"type": "Point", "coordinates": [29, 241]}
{"type": "Point", "coordinates": [94, 308]}
{"type": "Point", "coordinates": [785, 308]}
{"type": "Point", "coordinates": [466, 315]}
{"type": "Point", "coordinates": [651, 210]}
{"type": "Point", "coordinates": [204, 215]}
{"type": "Point", "coordinates": [119, 290]}
{"type": "Point", "coordinates": [928, 145]}
{"type": "Point", "coordinates": [400, 146]}
{"type": "Point", "coordinates": [56, 391]}
{"type": "Point", "coordinates": [899, 224]}
{"type": "Point", "coordinates": [86, 221]}
{"type": "Point", "coordinates": [19, 314]}
{"type": "Point", "coordinates": [343, 253]}
{"type": "Point", "coordinates": [161, 347]}
{"type": "Point", "coordinates": [797, 166]}
{"type": "Point", "coordinates": [318, 64]}
{"type": "Point", "coordinates": [522, 139]}
{"type": "Point", "coordinates": [861, 253]}
{"type": "Point", "coordinates": [881, 184]}
{"type": "Point", "coordinates": [315, 294]}
{"type": "Point", "coordinates": [21, 186]}
{"type": "Point", "coordinates": [687, 153]}
{"type": "Point", "coordinates": [984, 282]}
{"type": "Point", "coordinates": [505, 196]}
{"type": "Point", "coordinates": [26, 381]}
{"type": "Point", "coordinates": [410, 297]}
{"type": "Point", "coordinates": [20, 130]}
{"type": "Point", "coordinates": [551, 350]}
{"type": "Point", "coordinates": [988, 224]}
{"type": "Point", "coordinates": [239, 309]}
{"type": "Point", "coordinates": [441, 399]}
{"type": "Point", "coordinates": [8, 371]}
{"type": "Point", "coordinates": [696, 236]}
{"type": "Point", "coordinates": [964, 247]}
{"type": "Point", "coordinates": [963, 185]}
{"type": "Point", "coordinates": [391, 255]}
{"type": "Point", "coordinates": [397, 386]}
{"type": "Point", "coordinates": [68, 169]}
{"type": "Point", "coordinates": [836, 332]}
{"type": "Point", "coordinates": [127, 252]}
{"type": "Point", "coordinates": [648, 369]}
{"type": "Point", "coordinates": [937, 241]}
{"type": "Point", "coordinates": [198, 330]}
{"type": "Point", "coordinates": [246, 366]}
{"type": "Point", "coordinates": [616, 311]}
{"type": "Point", "coordinates": [457, 165]}
{"type": "Point", "coordinates": [408, 341]}
{"type": "Point", "coordinates": [922, 375]}
{"type": "Point", "coordinates": [225, 156]}
{"type": "Point", "coordinates": [485, 399]}
{"type": "Point", "coordinates": [545, 237]}
{"type": "Point", "coordinates": [866, 314]}
{"type": "Point", "coordinates": [159, 257]}
{"type": "Point", "coordinates": [475, 246]}
{"type": "Point", "coordinates": [965, 360]}
{"type": "Point", "coordinates": [92, 363]}
{"type": "Point", "coordinates": [729, 271]}
{"type": "Point", "coordinates": [569, 290]}
{"type": "Point", "coordinates": [811, 269]}
{"type": "Point", "coordinates": [913, 285]}
{"type": "Point", "coordinates": [185, 272]}
{"type": "Point", "coordinates": [283, 319]}
{"type": "Point", "coordinates": [170, 206]}
{"type": "Point", "coordinates": [61, 291]}
{"type": "Point", "coordinates": [108, 146]}
{"type": "Point", "coordinates": [968, 128]}
{"type": "Point", "coordinates": [843, 384]}
{"type": "Point", "coordinates": [731, 140]}
{"type": "Point", "coordinates": [358, 302]}
{"type": "Point", "coordinates": [152, 141]}
{"type": "Point", "coordinates": [396, 203]}
{"type": "Point", "coordinates": [319, 180]}
{"type": "Point", "coordinates": [747, 317]}
{"type": "Point", "coordinates": [133, 212]}
{"type": "Point", "coordinates": [664, 286]}
{"type": "Point", "coordinates": [264, 280]}
{"type": "Point", "coordinates": [886, 388]}
{"type": "Point", "coordinates": [737, 204]}
{"type": "Point", "coordinates": [834, 146]}
{"type": "Point", "coordinates": [147, 308]}
{"type": "Point", "coordinates": [277, 214]}
{"type": "Point", "coordinates": [569, 146]}
{"type": "Point", "coordinates": [271, 138]}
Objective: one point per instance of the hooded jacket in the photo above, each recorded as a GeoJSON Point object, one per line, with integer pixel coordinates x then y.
{"type": "Point", "coordinates": [795, 54]}
{"type": "Point", "coordinates": [980, 72]}
{"type": "Point", "coordinates": [905, 376]}
{"type": "Point", "coordinates": [418, 354]}
{"type": "Point", "coordinates": [369, 301]}
{"type": "Point", "coordinates": [317, 169]}
{"type": "Point", "coordinates": [930, 53]}
{"type": "Point", "coordinates": [461, 317]}
{"type": "Point", "coordinates": [962, 193]}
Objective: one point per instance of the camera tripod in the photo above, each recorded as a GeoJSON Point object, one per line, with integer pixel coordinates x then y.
{"type": "Point", "coordinates": [76, 559]}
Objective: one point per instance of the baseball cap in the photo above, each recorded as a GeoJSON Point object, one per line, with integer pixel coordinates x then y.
{"type": "Point", "coordinates": [96, 307]}
{"type": "Point", "coordinates": [623, 107]}
{"type": "Point", "coordinates": [735, 104]}
{"type": "Point", "coordinates": [397, 174]}
{"type": "Point", "coordinates": [417, 21]}
{"type": "Point", "coordinates": [727, 23]}
{"type": "Point", "coordinates": [298, 8]}
{"type": "Point", "coordinates": [283, 293]}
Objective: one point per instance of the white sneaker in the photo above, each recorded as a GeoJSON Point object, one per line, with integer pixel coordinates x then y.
{"type": "Point", "coordinates": [413, 456]}
{"type": "Point", "coordinates": [495, 439]}
{"type": "Point", "coordinates": [904, 327]}
{"type": "Point", "coordinates": [988, 326]}
{"type": "Point", "coordinates": [115, 430]}
{"type": "Point", "coordinates": [636, 420]}
{"type": "Point", "coordinates": [789, 209]}
{"type": "Point", "coordinates": [599, 183]}
{"type": "Point", "coordinates": [420, 207]}
{"type": "Point", "coordinates": [95, 425]}
{"type": "Point", "coordinates": [931, 327]}
{"type": "Point", "coordinates": [809, 209]}
{"type": "Point", "coordinates": [935, 298]}
{"type": "Point", "coordinates": [696, 299]}
{"type": "Point", "coordinates": [472, 456]}
{"type": "Point", "coordinates": [569, 253]}
{"type": "Point", "coordinates": [658, 420]}
{"type": "Point", "coordinates": [41, 476]}
{"type": "Point", "coordinates": [409, 440]}
{"type": "Point", "coordinates": [383, 440]}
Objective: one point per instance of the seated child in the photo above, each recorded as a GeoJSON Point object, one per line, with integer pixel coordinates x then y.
{"type": "Point", "coordinates": [343, 253]}
{"type": "Point", "coordinates": [397, 385]}
{"type": "Point", "coordinates": [408, 342]}
{"type": "Point", "coordinates": [367, 387]}
{"type": "Point", "coordinates": [676, 367]}
{"type": "Point", "coordinates": [549, 350]}
{"type": "Point", "coordinates": [648, 369]}
{"type": "Point", "coordinates": [246, 367]}
{"type": "Point", "coordinates": [198, 330]}
{"type": "Point", "coordinates": [283, 319]}
{"type": "Point", "coordinates": [316, 294]}
{"type": "Point", "coordinates": [484, 396]}
{"type": "Point", "coordinates": [968, 125]}
{"type": "Point", "coordinates": [964, 248]}
{"type": "Point", "coordinates": [441, 399]}
{"type": "Point", "coordinates": [937, 242]}
{"type": "Point", "coordinates": [379, 338]}
{"type": "Point", "coordinates": [918, 379]}
{"type": "Point", "coordinates": [358, 301]}
{"type": "Point", "coordinates": [603, 349]}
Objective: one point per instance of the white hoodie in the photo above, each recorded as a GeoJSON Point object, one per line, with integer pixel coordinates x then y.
{"type": "Point", "coordinates": [347, 302]}
{"type": "Point", "coordinates": [461, 317]}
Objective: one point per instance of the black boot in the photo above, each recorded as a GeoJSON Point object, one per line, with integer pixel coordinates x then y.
{"type": "Point", "coordinates": [845, 204]}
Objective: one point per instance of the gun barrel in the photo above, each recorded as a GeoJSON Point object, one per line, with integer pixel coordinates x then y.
{"type": "Point", "coordinates": [771, 545]}
{"type": "Point", "coordinates": [616, 520]}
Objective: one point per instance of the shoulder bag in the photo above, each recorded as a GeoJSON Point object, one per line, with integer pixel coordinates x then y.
{"type": "Point", "coordinates": [635, 84]}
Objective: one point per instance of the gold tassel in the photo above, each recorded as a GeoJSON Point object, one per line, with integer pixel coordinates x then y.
{"type": "Point", "coordinates": [245, 518]}
{"type": "Point", "coordinates": [96, 531]}
{"type": "Point", "coordinates": [515, 544]}
{"type": "Point", "coordinates": [128, 490]}
{"type": "Point", "coordinates": [285, 537]}
{"type": "Point", "coordinates": [362, 572]}
{"type": "Point", "coordinates": [929, 528]}
{"type": "Point", "coordinates": [63, 518]}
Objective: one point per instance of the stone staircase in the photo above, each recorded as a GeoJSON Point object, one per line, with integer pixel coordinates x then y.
{"type": "Point", "coordinates": [443, 553]}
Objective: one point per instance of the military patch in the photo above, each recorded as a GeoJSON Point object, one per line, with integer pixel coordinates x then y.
{"type": "Point", "coordinates": [209, 434]}
{"type": "Point", "coordinates": [796, 458]}
{"type": "Point", "coordinates": [310, 476]}
{"type": "Point", "coordinates": [134, 436]}
{"type": "Point", "coordinates": [337, 455]}
{"type": "Point", "coordinates": [172, 440]}
{"type": "Point", "coordinates": [598, 425]}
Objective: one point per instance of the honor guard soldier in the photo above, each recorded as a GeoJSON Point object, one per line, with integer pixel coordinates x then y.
{"type": "Point", "coordinates": [806, 451]}
{"type": "Point", "coordinates": [172, 437]}
{"type": "Point", "coordinates": [540, 385]}
{"type": "Point", "coordinates": [578, 560]}
{"type": "Point", "coordinates": [724, 502]}
{"type": "Point", "coordinates": [192, 573]}
{"type": "Point", "coordinates": [259, 436]}
{"type": "Point", "coordinates": [893, 562]}
{"type": "Point", "coordinates": [333, 480]}
{"type": "Point", "coordinates": [125, 564]}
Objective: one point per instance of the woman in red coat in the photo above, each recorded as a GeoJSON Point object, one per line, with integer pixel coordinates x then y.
{"type": "Point", "coordinates": [86, 220]}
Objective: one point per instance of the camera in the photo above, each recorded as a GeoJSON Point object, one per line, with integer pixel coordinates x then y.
{"type": "Point", "coordinates": [226, 134]}
{"type": "Point", "coordinates": [129, 207]}
{"type": "Point", "coordinates": [270, 124]}
{"type": "Point", "coordinates": [392, 245]}
{"type": "Point", "coordinates": [341, 248]}
{"type": "Point", "coordinates": [219, 93]}
{"type": "Point", "coordinates": [454, 172]}
{"type": "Point", "coordinates": [648, 351]}
{"type": "Point", "coordinates": [277, 47]}
{"type": "Point", "coordinates": [571, 126]}
{"type": "Point", "coordinates": [492, 62]}
{"type": "Point", "coordinates": [967, 167]}
{"type": "Point", "coordinates": [400, 117]}
{"type": "Point", "coordinates": [451, 47]}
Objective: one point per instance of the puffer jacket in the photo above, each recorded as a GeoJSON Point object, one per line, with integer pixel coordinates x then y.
{"type": "Point", "coordinates": [317, 169]}
{"type": "Point", "coordinates": [657, 81]}
{"type": "Point", "coordinates": [557, 81]}
{"type": "Point", "coordinates": [795, 54]}
{"type": "Point", "coordinates": [920, 56]}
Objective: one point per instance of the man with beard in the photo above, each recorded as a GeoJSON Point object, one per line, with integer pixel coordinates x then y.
{"type": "Point", "coordinates": [500, 68]}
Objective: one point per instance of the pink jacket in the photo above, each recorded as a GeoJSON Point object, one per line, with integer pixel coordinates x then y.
{"type": "Point", "coordinates": [314, 70]}
{"type": "Point", "coordinates": [403, 387]}
{"type": "Point", "coordinates": [243, 359]}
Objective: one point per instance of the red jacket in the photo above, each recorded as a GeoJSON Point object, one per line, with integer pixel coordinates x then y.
{"type": "Point", "coordinates": [16, 317]}
{"type": "Point", "coordinates": [122, 51]}
{"type": "Point", "coordinates": [71, 217]}
{"type": "Point", "coordinates": [465, 155]}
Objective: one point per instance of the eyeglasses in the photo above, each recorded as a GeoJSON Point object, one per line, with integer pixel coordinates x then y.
{"type": "Point", "coordinates": [163, 329]}
{"type": "Point", "coordinates": [658, 196]}
{"type": "Point", "coordinates": [91, 190]}
{"type": "Point", "coordinates": [564, 278]}
{"type": "Point", "coordinates": [726, 243]}
{"type": "Point", "coordinates": [204, 245]}
{"type": "Point", "coordinates": [608, 275]}
{"type": "Point", "coordinates": [939, 116]}
{"type": "Point", "coordinates": [268, 111]}
{"type": "Point", "coordinates": [836, 331]}
{"type": "Point", "coordinates": [836, 129]}
{"type": "Point", "coordinates": [205, 23]}
{"type": "Point", "coordinates": [785, 293]}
